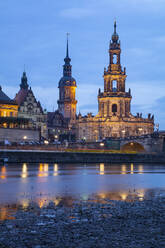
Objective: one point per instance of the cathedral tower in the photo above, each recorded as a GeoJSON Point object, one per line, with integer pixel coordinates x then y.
{"type": "Point", "coordinates": [114, 118]}
{"type": "Point", "coordinates": [67, 89]}
{"type": "Point", "coordinates": [114, 101]}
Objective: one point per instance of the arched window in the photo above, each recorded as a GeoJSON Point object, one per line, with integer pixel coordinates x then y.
{"type": "Point", "coordinates": [114, 85]}
{"type": "Point", "coordinates": [115, 59]}
{"type": "Point", "coordinates": [114, 108]}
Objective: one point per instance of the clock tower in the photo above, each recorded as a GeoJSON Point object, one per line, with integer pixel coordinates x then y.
{"type": "Point", "coordinates": [67, 89]}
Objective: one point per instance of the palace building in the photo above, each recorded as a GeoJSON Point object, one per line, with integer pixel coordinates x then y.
{"type": "Point", "coordinates": [114, 118]}
{"type": "Point", "coordinates": [12, 127]}
{"type": "Point", "coordinates": [30, 108]}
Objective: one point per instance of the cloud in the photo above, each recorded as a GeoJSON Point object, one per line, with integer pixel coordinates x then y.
{"type": "Point", "coordinates": [76, 13]}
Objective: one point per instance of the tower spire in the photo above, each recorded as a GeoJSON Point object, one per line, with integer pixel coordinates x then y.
{"type": "Point", "coordinates": [24, 84]}
{"type": "Point", "coordinates": [67, 68]}
{"type": "Point", "coordinates": [115, 36]}
{"type": "Point", "coordinates": [67, 48]}
{"type": "Point", "coordinates": [115, 26]}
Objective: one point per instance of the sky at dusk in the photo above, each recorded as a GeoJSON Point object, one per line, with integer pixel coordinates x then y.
{"type": "Point", "coordinates": [33, 32]}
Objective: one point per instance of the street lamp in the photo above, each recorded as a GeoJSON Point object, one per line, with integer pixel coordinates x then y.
{"type": "Point", "coordinates": [24, 137]}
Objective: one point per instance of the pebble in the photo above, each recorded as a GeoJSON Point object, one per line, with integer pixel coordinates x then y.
{"type": "Point", "coordinates": [115, 224]}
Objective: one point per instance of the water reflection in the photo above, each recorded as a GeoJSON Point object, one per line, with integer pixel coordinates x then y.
{"type": "Point", "coordinates": [132, 168]}
{"type": "Point", "coordinates": [129, 195]}
{"type": "Point", "coordinates": [101, 169]}
{"type": "Point", "coordinates": [43, 170]}
{"type": "Point", "coordinates": [3, 172]}
{"type": "Point", "coordinates": [8, 211]}
{"type": "Point", "coordinates": [123, 169]}
{"type": "Point", "coordinates": [24, 173]}
{"type": "Point", "coordinates": [55, 170]}
{"type": "Point", "coordinates": [140, 168]}
{"type": "Point", "coordinates": [65, 182]}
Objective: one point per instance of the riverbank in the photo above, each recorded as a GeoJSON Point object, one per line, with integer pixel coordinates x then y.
{"type": "Point", "coordinates": [45, 156]}
{"type": "Point", "coordinates": [112, 224]}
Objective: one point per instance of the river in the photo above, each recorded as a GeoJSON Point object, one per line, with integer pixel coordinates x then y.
{"type": "Point", "coordinates": [65, 183]}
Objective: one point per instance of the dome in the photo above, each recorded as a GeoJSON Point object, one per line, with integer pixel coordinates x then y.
{"type": "Point", "coordinates": [67, 81]}
{"type": "Point", "coordinates": [115, 37]}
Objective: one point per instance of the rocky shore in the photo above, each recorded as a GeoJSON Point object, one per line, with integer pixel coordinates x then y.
{"type": "Point", "coordinates": [110, 224]}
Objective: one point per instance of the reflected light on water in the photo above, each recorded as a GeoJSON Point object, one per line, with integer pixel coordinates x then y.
{"type": "Point", "coordinates": [124, 196]}
{"type": "Point", "coordinates": [140, 168]}
{"type": "Point", "coordinates": [102, 169]}
{"type": "Point", "coordinates": [141, 194]}
{"type": "Point", "coordinates": [123, 169]}
{"type": "Point", "coordinates": [24, 173]}
{"type": "Point", "coordinates": [132, 168]}
{"type": "Point", "coordinates": [25, 203]}
{"type": "Point", "coordinates": [42, 202]}
{"type": "Point", "coordinates": [43, 170]}
{"type": "Point", "coordinates": [3, 172]}
{"type": "Point", "coordinates": [55, 170]}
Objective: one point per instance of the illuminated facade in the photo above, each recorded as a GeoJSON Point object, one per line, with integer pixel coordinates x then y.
{"type": "Point", "coordinates": [29, 107]}
{"type": "Point", "coordinates": [8, 107]}
{"type": "Point", "coordinates": [114, 118]}
{"type": "Point", "coordinates": [12, 127]}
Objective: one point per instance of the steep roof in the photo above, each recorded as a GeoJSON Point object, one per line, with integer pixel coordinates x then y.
{"type": "Point", "coordinates": [5, 99]}
{"type": "Point", "coordinates": [21, 96]}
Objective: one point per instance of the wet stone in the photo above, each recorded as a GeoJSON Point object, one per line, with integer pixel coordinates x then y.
{"type": "Point", "coordinates": [87, 224]}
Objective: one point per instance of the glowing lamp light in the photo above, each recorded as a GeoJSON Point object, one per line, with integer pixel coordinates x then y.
{"type": "Point", "coordinates": [102, 144]}
{"type": "Point", "coordinates": [25, 137]}
{"type": "Point", "coordinates": [46, 142]}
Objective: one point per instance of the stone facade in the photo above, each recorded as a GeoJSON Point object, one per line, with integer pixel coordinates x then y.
{"type": "Point", "coordinates": [57, 125]}
{"type": "Point", "coordinates": [19, 135]}
{"type": "Point", "coordinates": [30, 108]}
{"type": "Point", "coordinates": [114, 118]}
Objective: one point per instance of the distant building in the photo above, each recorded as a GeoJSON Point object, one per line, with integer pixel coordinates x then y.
{"type": "Point", "coordinates": [57, 126]}
{"type": "Point", "coordinates": [61, 123]}
{"type": "Point", "coordinates": [114, 118]}
{"type": "Point", "coordinates": [29, 107]}
{"type": "Point", "coordinates": [12, 127]}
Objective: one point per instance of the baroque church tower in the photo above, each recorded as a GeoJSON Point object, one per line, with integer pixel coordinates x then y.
{"type": "Point", "coordinates": [67, 89]}
{"type": "Point", "coordinates": [114, 118]}
{"type": "Point", "coordinates": [114, 101]}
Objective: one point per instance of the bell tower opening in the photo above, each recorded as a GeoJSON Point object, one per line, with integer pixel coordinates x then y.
{"type": "Point", "coordinates": [114, 109]}
{"type": "Point", "coordinates": [114, 58]}
{"type": "Point", "coordinates": [114, 86]}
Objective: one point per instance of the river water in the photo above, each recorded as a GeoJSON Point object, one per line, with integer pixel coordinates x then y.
{"type": "Point", "coordinates": [64, 183]}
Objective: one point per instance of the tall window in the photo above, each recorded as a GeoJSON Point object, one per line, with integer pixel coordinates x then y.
{"type": "Point", "coordinates": [114, 85]}
{"type": "Point", "coordinates": [115, 59]}
{"type": "Point", "coordinates": [102, 108]}
{"type": "Point", "coordinates": [114, 109]}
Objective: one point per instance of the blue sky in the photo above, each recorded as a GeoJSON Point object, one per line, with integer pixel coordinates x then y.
{"type": "Point", "coordinates": [34, 33]}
